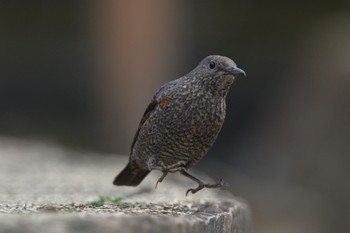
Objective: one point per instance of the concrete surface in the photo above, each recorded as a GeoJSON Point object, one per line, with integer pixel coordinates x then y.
{"type": "Point", "coordinates": [45, 188]}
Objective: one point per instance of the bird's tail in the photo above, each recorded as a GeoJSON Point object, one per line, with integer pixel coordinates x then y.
{"type": "Point", "coordinates": [130, 178]}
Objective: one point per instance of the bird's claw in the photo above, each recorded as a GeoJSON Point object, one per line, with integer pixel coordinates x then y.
{"type": "Point", "coordinates": [169, 168]}
{"type": "Point", "coordinates": [192, 191]}
{"type": "Point", "coordinates": [165, 173]}
{"type": "Point", "coordinates": [201, 186]}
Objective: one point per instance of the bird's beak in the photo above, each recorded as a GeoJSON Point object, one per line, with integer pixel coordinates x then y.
{"type": "Point", "coordinates": [237, 71]}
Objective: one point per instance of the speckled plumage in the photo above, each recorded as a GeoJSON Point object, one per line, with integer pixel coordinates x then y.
{"type": "Point", "coordinates": [182, 121]}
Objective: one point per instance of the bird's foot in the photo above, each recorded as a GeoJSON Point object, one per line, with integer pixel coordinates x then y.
{"type": "Point", "coordinates": [169, 168]}
{"type": "Point", "coordinates": [201, 185]}
{"type": "Point", "coordinates": [165, 173]}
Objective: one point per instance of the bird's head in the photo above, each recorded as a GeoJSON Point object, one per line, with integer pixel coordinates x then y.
{"type": "Point", "coordinates": [217, 73]}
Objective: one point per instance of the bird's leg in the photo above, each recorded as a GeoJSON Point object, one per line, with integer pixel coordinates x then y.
{"type": "Point", "coordinates": [201, 184]}
{"type": "Point", "coordinates": [169, 168]}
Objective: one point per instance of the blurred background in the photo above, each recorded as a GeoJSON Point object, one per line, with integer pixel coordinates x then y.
{"type": "Point", "coordinates": [81, 73]}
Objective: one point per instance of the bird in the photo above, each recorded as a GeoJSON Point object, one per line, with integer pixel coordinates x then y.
{"type": "Point", "coordinates": [181, 123]}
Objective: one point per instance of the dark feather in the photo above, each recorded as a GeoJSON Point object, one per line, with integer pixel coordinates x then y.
{"type": "Point", "coordinates": [130, 177]}
{"type": "Point", "coordinates": [145, 116]}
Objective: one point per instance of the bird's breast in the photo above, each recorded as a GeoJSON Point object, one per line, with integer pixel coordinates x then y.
{"type": "Point", "coordinates": [181, 128]}
{"type": "Point", "coordinates": [194, 121]}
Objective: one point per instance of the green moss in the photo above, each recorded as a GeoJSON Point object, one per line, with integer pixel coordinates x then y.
{"type": "Point", "coordinates": [104, 199]}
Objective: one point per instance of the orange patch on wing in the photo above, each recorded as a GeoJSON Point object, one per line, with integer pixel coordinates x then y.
{"type": "Point", "coordinates": [164, 103]}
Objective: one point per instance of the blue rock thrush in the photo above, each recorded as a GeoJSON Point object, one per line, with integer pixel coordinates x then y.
{"type": "Point", "coordinates": [181, 123]}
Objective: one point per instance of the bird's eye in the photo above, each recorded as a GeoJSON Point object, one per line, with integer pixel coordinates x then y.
{"type": "Point", "coordinates": [212, 65]}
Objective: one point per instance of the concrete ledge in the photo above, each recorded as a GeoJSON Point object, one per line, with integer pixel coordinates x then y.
{"type": "Point", "coordinates": [45, 188]}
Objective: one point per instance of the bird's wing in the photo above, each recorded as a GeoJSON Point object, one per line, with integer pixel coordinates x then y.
{"type": "Point", "coordinates": [151, 107]}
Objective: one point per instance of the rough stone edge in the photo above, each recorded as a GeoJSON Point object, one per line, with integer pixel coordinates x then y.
{"type": "Point", "coordinates": [230, 215]}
